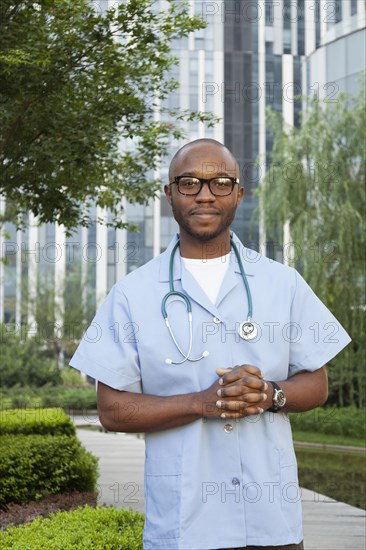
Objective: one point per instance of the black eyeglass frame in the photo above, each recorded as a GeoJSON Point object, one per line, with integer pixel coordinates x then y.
{"type": "Point", "coordinates": [176, 180]}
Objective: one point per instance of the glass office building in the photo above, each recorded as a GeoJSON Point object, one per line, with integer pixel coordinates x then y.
{"type": "Point", "coordinates": [253, 54]}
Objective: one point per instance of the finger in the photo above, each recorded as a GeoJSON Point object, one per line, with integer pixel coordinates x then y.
{"type": "Point", "coordinates": [242, 403]}
{"type": "Point", "coordinates": [240, 387]}
{"type": "Point", "coordinates": [253, 410]}
{"type": "Point", "coordinates": [240, 372]}
{"type": "Point", "coordinates": [249, 411]}
{"type": "Point", "coordinates": [250, 397]}
{"type": "Point", "coordinates": [230, 415]}
{"type": "Point", "coordinates": [236, 405]}
{"type": "Point", "coordinates": [255, 397]}
{"type": "Point", "coordinates": [253, 370]}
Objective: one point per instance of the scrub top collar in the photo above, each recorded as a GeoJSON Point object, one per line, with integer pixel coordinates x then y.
{"type": "Point", "coordinates": [248, 257]}
{"type": "Point", "coordinates": [191, 287]}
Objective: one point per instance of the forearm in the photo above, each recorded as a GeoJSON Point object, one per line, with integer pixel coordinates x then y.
{"type": "Point", "coordinates": [135, 412]}
{"type": "Point", "coordinates": [304, 391]}
{"type": "Point", "coordinates": [122, 411]}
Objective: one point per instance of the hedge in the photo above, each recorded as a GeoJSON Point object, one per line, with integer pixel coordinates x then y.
{"type": "Point", "coordinates": [80, 398]}
{"type": "Point", "coordinates": [34, 465]}
{"type": "Point", "coordinates": [98, 528]}
{"type": "Point", "coordinates": [35, 421]}
{"type": "Point", "coordinates": [346, 421]}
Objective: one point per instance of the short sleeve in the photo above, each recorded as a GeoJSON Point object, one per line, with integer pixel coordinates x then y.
{"type": "Point", "coordinates": [108, 350]}
{"type": "Point", "coordinates": [315, 334]}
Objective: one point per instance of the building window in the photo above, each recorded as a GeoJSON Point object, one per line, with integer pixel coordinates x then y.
{"type": "Point", "coordinates": [317, 23]}
{"type": "Point", "coordinates": [273, 79]}
{"type": "Point", "coordinates": [353, 7]}
{"type": "Point", "coordinates": [338, 14]}
{"type": "Point", "coordinates": [269, 13]}
{"type": "Point", "coordinates": [287, 26]}
{"type": "Point", "coordinates": [297, 90]}
{"type": "Point", "coordinates": [301, 28]}
{"type": "Point", "coordinates": [333, 12]}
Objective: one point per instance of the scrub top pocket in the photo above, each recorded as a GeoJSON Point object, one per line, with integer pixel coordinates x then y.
{"type": "Point", "coordinates": [162, 498]}
{"type": "Point", "coordinates": [290, 490]}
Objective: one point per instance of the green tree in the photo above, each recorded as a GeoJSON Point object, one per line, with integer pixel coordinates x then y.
{"type": "Point", "coordinates": [60, 323]}
{"type": "Point", "coordinates": [74, 82]}
{"type": "Point", "coordinates": [316, 183]}
{"type": "Point", "coordinates": [25, 361]}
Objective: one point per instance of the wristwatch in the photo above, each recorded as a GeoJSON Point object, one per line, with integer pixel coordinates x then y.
{"type": "Point", "coordinates": [279, 398]}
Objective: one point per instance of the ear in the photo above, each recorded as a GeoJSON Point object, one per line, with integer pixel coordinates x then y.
{"type": "Point", "coordinates": [240, 194]}
{"type": "Point", "coordinates": [168, 193]}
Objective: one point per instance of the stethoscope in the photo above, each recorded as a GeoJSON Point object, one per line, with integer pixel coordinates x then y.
{"type": "Point", "coordinates": [247, 330]}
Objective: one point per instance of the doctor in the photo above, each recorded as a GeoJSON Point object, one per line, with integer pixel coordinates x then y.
{"type": "Point", "coordinates": [220, 468]}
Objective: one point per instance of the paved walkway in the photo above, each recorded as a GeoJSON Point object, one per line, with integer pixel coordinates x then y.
{"type": "Point", "coordinates": [121, 467]}
{"type": "Point", "coordinates": [328, 524]}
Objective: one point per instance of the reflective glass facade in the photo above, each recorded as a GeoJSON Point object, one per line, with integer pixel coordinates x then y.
{"type": "Point", "coordinates": [250, 56]}
{"type": "Point", "coordinates": [241, 93]}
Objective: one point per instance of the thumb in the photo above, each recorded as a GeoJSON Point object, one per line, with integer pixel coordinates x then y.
{"type": "Point", "coordinates": [221, 372]}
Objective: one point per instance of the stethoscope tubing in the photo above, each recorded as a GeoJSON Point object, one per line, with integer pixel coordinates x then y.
{"type": "Point", "coordinates": [245, 280]}
{"type": "Point", "coordinates": [185, 298]}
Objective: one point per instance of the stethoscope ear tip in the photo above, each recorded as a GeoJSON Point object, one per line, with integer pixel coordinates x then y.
{"type": "Point", "coordinates": [205, 353]}
{"type": "Point", "coordinates": [168, 361]}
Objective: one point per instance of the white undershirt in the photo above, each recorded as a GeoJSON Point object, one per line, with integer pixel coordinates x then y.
{"type": "Point", "coordinates": [208, 273]}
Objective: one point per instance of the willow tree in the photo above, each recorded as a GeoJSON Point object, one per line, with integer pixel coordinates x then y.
{"type": "Point", "coordinates": [315, 186]}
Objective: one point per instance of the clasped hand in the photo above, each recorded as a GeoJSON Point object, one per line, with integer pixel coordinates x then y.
{"type": "Point", "coordinates": [240, 392]}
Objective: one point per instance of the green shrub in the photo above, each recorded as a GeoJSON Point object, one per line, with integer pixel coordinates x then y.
{"type": "Point", "coordinates": [20, 398]}
{"type": "Point", "coordinates": [34, 465]}
{"type": "Point", "coordinates": [35, 421]}
{"type": "Point", "coordinates": [25, 361]}
{"type": "Point", "coordinates": [346, 421]}
{"type": "Point", "coordinates": [98, 528]}
{"type": "Point", "coordinates": [80, 398]}
{"type": "Point", "coordinates": [70, 398]}
{"type": "Point", "coordinates": [71, 377]}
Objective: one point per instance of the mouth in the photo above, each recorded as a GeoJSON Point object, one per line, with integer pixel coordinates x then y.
{"type": "Point", "coordinates": [205, 217]}
{"type": "Point", "coordinates": [205, 213]}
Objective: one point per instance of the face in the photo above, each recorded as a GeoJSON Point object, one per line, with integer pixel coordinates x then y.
{"type": "Point", "coordinates": [204, 217]}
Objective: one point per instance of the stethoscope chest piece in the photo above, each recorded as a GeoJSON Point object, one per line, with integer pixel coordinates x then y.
{"type": "Point", "coordinates": [247, 330]}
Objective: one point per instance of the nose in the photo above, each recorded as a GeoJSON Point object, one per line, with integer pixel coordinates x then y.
{"type": "Point", "coordinates": [205, 194]}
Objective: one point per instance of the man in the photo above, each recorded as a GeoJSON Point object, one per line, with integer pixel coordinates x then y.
{"type": "Point", "coordinates": [220, 467]}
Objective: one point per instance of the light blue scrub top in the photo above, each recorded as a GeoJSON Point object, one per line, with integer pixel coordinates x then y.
{"type": "Point", "coordinates": [213, 483]}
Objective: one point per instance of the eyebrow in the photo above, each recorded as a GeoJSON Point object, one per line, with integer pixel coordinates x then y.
{"type": "Point", "coordinates": [194, 174]}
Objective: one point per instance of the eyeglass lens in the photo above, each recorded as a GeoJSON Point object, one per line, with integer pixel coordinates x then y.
{"type": "Point", "coordinates": [218, 186]}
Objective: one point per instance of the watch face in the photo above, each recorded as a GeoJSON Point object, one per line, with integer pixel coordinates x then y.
{"type": "Point", "coordinates": [279, 399]}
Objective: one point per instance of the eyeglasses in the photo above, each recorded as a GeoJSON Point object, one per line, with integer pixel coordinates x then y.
{"type": "Point", "coordinates": [219, 186]}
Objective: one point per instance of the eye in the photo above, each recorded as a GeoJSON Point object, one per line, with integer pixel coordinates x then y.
{"type": "Point", "coordinates": [222, 183]}
{"type": "Point", "coordinates": [188, 182]}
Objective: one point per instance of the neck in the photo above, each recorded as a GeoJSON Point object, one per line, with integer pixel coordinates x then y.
{"type": "Point", "coordinates": [204, 250]}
